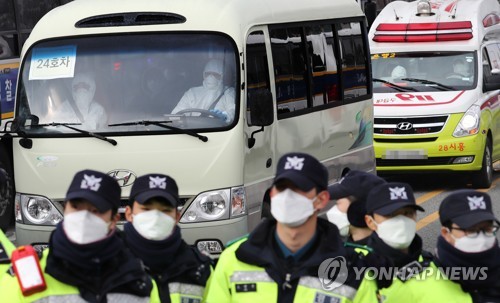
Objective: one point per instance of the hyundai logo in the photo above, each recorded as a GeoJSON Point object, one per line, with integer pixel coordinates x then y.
{"type": "Point", "coordinates": [404, 126]}
{"type": "Point", "coordinates": [124, 177]}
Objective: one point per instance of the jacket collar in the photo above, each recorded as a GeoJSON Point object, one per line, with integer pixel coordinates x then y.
{"type": "Point", "coordinates": [261, 250]}
{"type": "Point", "coordinates": [398, 257]}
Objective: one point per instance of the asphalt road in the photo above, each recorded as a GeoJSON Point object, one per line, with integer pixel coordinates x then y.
{"type": "Point", "coordinates": [430, 190]}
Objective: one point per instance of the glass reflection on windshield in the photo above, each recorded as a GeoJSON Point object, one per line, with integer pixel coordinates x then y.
{"type": "Point", "coordinates": [424, 71]}
{"type": "Point", "coordinates": [188, 79]}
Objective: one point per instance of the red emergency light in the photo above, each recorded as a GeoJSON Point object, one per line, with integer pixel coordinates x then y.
{"type": "Point", "coordinates": [491, 19]}
{"type": "Point", "coordinates": [423, 32]}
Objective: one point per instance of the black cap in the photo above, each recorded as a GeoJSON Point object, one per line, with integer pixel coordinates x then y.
{"type": "Point", "coordinates": [154, 186]}
{"type": "Point", "coordinates": [98, 188]}
{"type": "Point", "coordinates": [303, 170]}
{"type": "Point", "coordinates": [386, 198]}
{"type": "Point", "coordinates": [466, 208]}
{"type": "Point", "coordinates": [356, 213]}
{"type": "Point", "coordinates": [355, 183]}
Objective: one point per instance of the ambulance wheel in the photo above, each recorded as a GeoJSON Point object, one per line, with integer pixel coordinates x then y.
{"type": "Point", "coordinates": [6, 191]}
{"type": "Point", "coordinates": [484, 177]}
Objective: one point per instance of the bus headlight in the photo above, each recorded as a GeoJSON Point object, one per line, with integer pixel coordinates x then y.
{"type": "Point", "coordinates": [216, 205]}
{"type": "Point", "coordinates": [469, 124]}
{"type": "Point", "coordinates": [36, 210]}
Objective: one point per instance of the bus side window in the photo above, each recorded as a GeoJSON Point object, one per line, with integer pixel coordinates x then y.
{"type": "Point", "coordinates": [290, 69]}
{"type": "Point", "coordinates": [325, 77]}
{"type": "Point", "coordinates": [354, 59]}
{"type": "Point", "coordinates": [256, 67]}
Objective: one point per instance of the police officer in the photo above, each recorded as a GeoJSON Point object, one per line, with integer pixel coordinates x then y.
{"type": "Point", "coordinates": [391, 209]}
{"type": "Point", "coordinates": [468, 241]}
{"type": "Point", "coordinates": [280, 261]}
{"type": "Point", "coordinates": [349, 212]}
{"type": "Point", "coordinates": [6, 247]}
{"type": "Point", "coordinates": [87, 260]}
{"type": "Point", "coordinates": [152, 234]}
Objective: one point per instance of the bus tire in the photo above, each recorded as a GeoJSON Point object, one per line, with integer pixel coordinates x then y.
{"type": "Point", "coordinates": [6, 191]}
{"type": "Point", "coordinates": [484, 177]}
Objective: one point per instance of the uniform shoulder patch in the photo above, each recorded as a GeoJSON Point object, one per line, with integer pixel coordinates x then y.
{"type": "Point", "coordinates": [358, 246]}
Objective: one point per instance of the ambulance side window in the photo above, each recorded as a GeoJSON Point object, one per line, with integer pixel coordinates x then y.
{"type": "Point", "coordinates": [493, 51]}
{"type": "Point", "coordinates": [486, 61]}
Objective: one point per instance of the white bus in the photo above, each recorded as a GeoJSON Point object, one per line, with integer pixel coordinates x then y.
{"type": "Point", "coordinates": [297, 77]}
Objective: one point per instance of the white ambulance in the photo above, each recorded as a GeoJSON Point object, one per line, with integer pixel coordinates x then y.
{"type": "Point", "coordinates": [436, 74]}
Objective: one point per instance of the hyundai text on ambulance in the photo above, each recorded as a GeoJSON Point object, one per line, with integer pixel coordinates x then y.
{"type": "Point", "coordinates": [436, 74]}
{"type": "Point", "coordinates": [292, 77]}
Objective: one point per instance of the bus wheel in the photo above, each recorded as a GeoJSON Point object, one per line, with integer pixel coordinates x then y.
{"type": "Point", "coordinates": [484, 177]}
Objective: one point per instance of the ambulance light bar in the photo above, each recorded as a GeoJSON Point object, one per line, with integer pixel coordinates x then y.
{"type": "Point", "coordinates": [491, 19]}
{"type": "Point", "coordinates": [423, 32]}
{"type": "Point", "coordinates": [424, 8]}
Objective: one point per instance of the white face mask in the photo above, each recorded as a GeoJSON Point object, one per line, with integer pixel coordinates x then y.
{"type": "Point", "coordinates": [290, 208]}
{"type": "Point", "coordinates": [397, 232]}
{"type": "Point", "coordinates": [83, 98]}
{"type": "Point", "coordinates": [83, 227]}
{"type": "Point", "coordinates": [474, 245]}
{"type": "Point", "coordinates": [339, 218]}
{"type": "Point", "coordinates": [153, 224]}
{"type": "Point", "coordinates": [210, 82]}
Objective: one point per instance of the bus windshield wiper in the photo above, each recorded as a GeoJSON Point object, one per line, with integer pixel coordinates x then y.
{"type": "Point", "coordinates": [395, 86]}
{"type": "Point", "coordinates": [423, 81]}
{"type": "Point", "coordinates": [68, 125]}
{"type": "Point", "coordinates": [164, 125]}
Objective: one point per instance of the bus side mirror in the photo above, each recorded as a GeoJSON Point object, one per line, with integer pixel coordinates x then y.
{"type": "Point", "coordinates": [260, 104]}
{"type": "Point", "coordinates": [491, 82]}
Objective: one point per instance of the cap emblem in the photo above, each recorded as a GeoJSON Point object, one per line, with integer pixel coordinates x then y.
{"type": "Point", "coordinates": [91, 182]}
{"type": "Point", "coordinates": [476, 203]}
{"type": "Point", "coordinates": [398, 193]}
{"type": "Point", "coordinates": [294, 163]}
{"type": "Point", "coordinates": [157, 182]}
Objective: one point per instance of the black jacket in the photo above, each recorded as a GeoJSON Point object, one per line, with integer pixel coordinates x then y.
{"type": "Point", "coordinates": [188, 267]}
{"type": "Point", "coordinates": [261, 250]}
{"type": "Point", "coordinates": [122, 274]}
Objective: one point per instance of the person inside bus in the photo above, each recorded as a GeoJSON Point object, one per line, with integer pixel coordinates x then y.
{"type": "Point", "coordinates": [5, 51]}
{"type": "Point", "coordinates": [212, 95]}
{"type": "Point", "coordinates": [82, 108]}
{"type": "Point", "coordinates": [154, 96]}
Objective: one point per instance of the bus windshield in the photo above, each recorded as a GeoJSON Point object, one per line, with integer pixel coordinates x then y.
{"type": "Point", "coordinates": [114, 83]}
{"type": "Point", "coordinates": [424, 71]}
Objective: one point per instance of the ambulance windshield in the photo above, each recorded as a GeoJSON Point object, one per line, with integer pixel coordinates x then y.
{"type": "Point", "coordinates": [108, 84]}
{"type": "Point", "coordinates": [424, 71]}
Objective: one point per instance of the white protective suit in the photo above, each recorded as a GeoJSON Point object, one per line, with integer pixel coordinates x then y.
{"type": "Point", "coordinates": [202, 97]}
{"type": "Point", "coordinates": [460, 68]}
{"type": "Point", "coordinates": [398, 72]}
{"type": "Point", "coordinates": [83, 91]}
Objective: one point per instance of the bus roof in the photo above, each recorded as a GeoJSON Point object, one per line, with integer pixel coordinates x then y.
{"type": "Point", "coordinates": [451, 25]}
{"type": "Point", "coordinates": [233, 17]}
